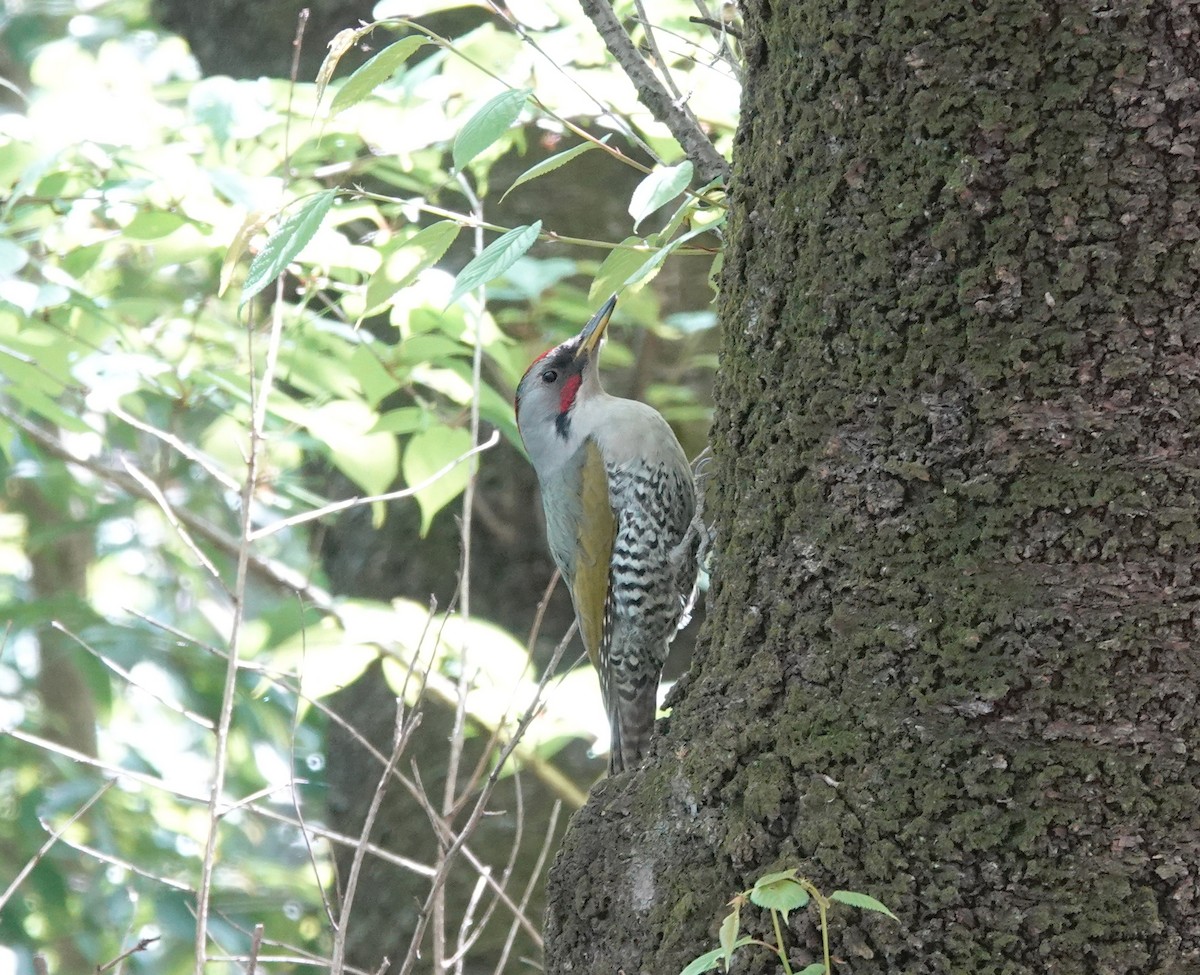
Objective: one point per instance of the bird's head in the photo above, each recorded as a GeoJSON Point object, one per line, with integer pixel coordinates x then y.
{"type": "Point", "coordinates": [556, 385]}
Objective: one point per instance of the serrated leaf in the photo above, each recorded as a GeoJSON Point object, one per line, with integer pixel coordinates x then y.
{"type": "Point", "coordinates": [405, 260]}
{"type": "Point", "coordinates": [427, 453]}
{"type": "Point", "coordinates": [285, 243]}
{"type": "Point", "coordinates": [254, 222]}
{"type": "Point", "coordinates": [501, 254]}
{"type": "Point", "coordinates": [553, 163]}
{"type": "Point", "coordinates": [492, 120]}
{"type": "Point", "coordinates": [651, 265]}
{"type": "Point", "coordinates": [375, 72]}
{"type": "Point", "coordinates": [619, 267]}
{"type": "Point", "coordinates": [659, 188]}
{"type": "Point", "coordinates": [863, 901]}
{"type": "Point", "coordinates": [779, 892]}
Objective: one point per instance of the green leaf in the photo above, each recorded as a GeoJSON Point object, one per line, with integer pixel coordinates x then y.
{"type": "Point", "coordinates": [404, 260]}
{"type": "Point", "coordinates": [619, 267]}
{"type": "Point", "coordinates": [707, 962]}
{"type": "Point", "coordinates": [553, 163]}
{"type": "Point", "coordinates": [375, 72]}
{"type": "Point", "coordinates": [405, 419]}
{"type": "Point", "coordinates": [651, 265]}
{"type": "Point", "coordinates": [429, 452]}
{"type": "Point", "coordinates": [492, 120]}
{"type": "Point", "coordinates": [815, 968]}
{"type": "Point", "coordinates": [345, 427]}
{"type": "Point", "coordinates": [501, 254]}
{"type": "Point", "coordinates": [864, 901]}
{"type": "Point", "coordinates": [727, 936]}
{"type": "Point", "coordinates": [770, 878]}
{"type": "Point", "coordinates": [12, 257]}
{"type": "Point", "coordinates": [779, 892]}
{"type": "Point", "coordinates": [285, 243]}
{"type": "Point", "coordinates": [324, 656]}
{"type": "Point", "coordinates": [711, 960]}
{"type": "Point", "coordinates": [152, 224]}
{"type": "Point", "coordinates": [659, 188]}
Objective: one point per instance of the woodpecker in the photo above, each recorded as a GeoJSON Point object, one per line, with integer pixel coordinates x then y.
{"type": "Point", "coordinates": [619, 501]}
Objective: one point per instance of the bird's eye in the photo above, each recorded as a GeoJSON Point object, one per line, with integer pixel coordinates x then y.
{"type": "Point", "coordinates": [549, 376]}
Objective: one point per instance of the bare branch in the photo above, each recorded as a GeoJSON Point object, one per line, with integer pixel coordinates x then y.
{"type": "Point", "coordinates": [54, 838]}
{"type": "Point", "coordinates": [128, 677]}
{"type": "Point", "coordinates": [678, 118]}
{"type": "Point", "coordinates": [402, 734]}
{"type": "Point", "coordinates": [270, 570]}
{"type": "Point", "coordinates": [538, 866]}
{"type": "Point", "coordinates": [656, 52]}
{"type": "Point", "coordinates": [718, 25]}
{"type": "Point", "coordinates": [255, 947]}
{"type": "Point", "coordinates": [265, 811]}
{"type": "Point", "coordinates": [389, 496]}
{"type": "Point", "coordinates": [142, 945]}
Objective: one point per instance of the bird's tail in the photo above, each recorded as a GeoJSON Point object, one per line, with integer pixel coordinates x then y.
{"type": "Point", "coordinates": [631, 720]}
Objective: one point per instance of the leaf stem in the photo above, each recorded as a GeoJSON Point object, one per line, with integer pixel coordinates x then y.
{"type": "Point", "coordinates": [779, 948]}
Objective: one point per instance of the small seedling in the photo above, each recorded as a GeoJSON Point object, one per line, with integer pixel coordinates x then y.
{"type": "Point", "coordinates": [780, 893]}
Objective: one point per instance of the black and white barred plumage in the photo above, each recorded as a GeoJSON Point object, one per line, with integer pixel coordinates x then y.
{"type": "Point", "coordinates": [619, 501]}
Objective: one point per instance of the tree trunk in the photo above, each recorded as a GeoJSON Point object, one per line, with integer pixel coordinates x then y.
{"type": "Point", "coordinates": [951, 652]}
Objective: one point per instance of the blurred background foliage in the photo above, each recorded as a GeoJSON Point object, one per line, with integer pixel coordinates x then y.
{"type": "Point", "coordinates": [190, 239]}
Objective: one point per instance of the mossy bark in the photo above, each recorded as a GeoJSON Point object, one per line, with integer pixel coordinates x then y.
{"type": "Point", "coordinates": [951, 655]}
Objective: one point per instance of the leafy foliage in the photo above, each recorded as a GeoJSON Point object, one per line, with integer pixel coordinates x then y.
{"type": "Point", "coordinates": [780, 893]}
{"type": "Point", "coordinates": [212, 292]}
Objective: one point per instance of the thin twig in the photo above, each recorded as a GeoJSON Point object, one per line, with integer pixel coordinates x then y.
{"type": "Point", "coordinates": [155, 492]}
{"type": "Point", "coordinates": [255, 940]}
{"type": "Point", "coordinates": [201, 798]}
{"type": "Point", "coordinates": [296, 804]}
{"type": "Point", "coordinates": [142, 945]}
{"type": "Point", "coordinates": [530, 884]}
{"type": "Point", "coordinates": [656, 53]}
{"type": "Point", "coordinates": [181, 447]}
{"type": "Point", "coordinates": [284, 960]}
{"type": "Point", "coordinates": [460, 837]}
{"type": "Point", "coordinates": [604, 111]}
{"type": "Point", "coordinates": [259, 394]}
{"type": "Point", "coordinates": [274, 572]}
{"type": "Point", "coordinates": [403, 732]}
{"type": "Point", "coordinates": [297, 47]}
{"type": "Point", "coordinates": [49, 844]}
{"type": "Point", "coordinates": [128, 677]}
{"type": "Point", "coordinates": [445, 44]}
{"type": "Point", "coordinates": [407, 492]}
{"type": "Point", "coordinates": [683, 125]}
{"type": "Point", "coordinates": [91, 853]}
{"type": "Point", "coordinates": [718, 25]}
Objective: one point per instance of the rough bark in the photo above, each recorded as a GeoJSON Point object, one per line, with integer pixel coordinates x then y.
{"type": "Point", "coordinates": [951, 657]}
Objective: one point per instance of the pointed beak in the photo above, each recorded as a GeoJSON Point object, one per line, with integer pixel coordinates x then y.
{"type": "Point", "coordinates": [593, 332]}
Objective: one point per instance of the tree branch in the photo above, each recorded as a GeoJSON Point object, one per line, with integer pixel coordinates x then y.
{"type": "Point", "coordinates": [709, 163]}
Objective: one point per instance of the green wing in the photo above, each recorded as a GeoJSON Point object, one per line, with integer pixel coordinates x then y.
{"type": "Point", "coordinates": [597, 529]}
